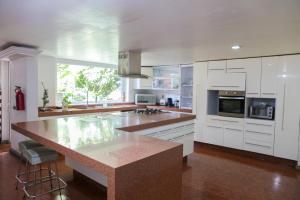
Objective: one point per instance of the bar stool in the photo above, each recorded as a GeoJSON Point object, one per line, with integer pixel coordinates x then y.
{"type": "Point", "coordinates": [38, 156]}
{"type": "Point", "coordinates": [24, 146]}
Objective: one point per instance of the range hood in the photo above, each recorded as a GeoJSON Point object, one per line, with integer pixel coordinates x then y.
{"type": "Point", "coordinates": [129, 64]}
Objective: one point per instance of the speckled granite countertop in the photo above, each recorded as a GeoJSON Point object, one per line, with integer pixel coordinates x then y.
{"type": "Point", "coordinates": [97, 139]}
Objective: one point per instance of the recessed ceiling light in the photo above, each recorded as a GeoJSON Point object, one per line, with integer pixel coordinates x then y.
{"type": "Point", "coordinates": [235, 47]}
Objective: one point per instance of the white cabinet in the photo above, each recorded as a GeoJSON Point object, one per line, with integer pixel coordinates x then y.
{"type": "Point", "coordinates": [213, 134]}
{"type": "Point", "coordinates": [288, 108]}
{"type": "Point", "coordinates": [217, 65]}
{"type": "Point", "coordinates": [253, 77]}
{"type": "Point", "coordinates": [182, 132]}
{"type": "Point", "coordinates": [233, 138]}
{"type": "Point", "coordinates": [259, 136]}
{"type": "Point", "coordinates": [224, 131]}
{"type": "Point", "coordinates": [220, 80]}
{"type": "Point", "coordinates": [200, 98]}
{"type": "Point", "coordinates": [269, 77]}
{"type": "Point", "coordinates": [236, 65]}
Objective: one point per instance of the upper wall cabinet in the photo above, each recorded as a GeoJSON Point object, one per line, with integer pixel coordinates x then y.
{"type": "Point", "coordinates": [219, 79]}
{"type": "Point", "coordinates": [252, 68]}
{"type": "Point", "coordinates": [217, 65]}
{"type": "Point", "coordinates": [269, 77]}
{"type": "Point", "coordinates": [237, 65]}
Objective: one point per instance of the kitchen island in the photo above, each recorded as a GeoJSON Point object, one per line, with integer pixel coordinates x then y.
{"type": "Point", "coordinates": [109, 146]}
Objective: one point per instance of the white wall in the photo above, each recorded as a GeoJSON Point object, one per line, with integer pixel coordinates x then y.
{"type": "Point", "coordinates": [24, 73]}
{"type": "Point", "coordinates": [5, 107]}
{"type": "Point", "coordinates": [47, 74]}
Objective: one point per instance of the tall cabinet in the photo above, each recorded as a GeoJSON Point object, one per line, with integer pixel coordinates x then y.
{"type": "Point", "coordinates": [288, 108]}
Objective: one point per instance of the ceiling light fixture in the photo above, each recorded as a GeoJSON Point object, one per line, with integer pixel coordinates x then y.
{"type": "Point", "coordinates": [236, 47]}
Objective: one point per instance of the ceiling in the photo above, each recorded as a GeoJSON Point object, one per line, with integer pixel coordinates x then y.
{"type": "Point", "coordinates": [166, 31]}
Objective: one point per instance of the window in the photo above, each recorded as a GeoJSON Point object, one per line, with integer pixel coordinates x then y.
{"type": "Point", "coordinates": [81, 84]}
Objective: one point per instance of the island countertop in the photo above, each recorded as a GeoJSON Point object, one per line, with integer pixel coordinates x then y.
{"type": "Point", "coordinates": [96, 139]}
{"type": "Point", "coordinates": [103, 143]}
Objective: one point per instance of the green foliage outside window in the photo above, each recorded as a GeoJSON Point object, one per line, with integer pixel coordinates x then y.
{"type": "Point", "coordinates": [92, 84]}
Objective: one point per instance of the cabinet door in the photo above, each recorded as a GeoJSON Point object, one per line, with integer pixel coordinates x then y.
{"type": "Point", "coordinates": [253, 77]}
{"type": "Point", "coordinates": [213, 134]}
{"type": "Point", "coordinates": [236, 65]}
{"type": "Point", "coordinates": [217, 65]}
{"type": "Point", "coordinates": [220, 80]}
{"type": "Point", "coordinates": [269, 77]}
{"type": "Point", "coordinates": [288, 109]}
{"type": "Point", "coordinates": [146, 83]}
{"type": "Point", "coordinates": [233, 138]}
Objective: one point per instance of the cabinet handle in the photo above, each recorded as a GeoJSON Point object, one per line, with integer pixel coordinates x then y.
{"type": "Point", "coordinates": [252, 93]}
{"type": "Point", "coordinates": [262, 133]}
{"type": "Point", "coordinates": [283, 107]}
{"type": "Point", "coordinates": [268, 93]}
{"type": "Point", "coordinates": [236, 68]}
{"type": "Point", "coordinates": [260, 145]}
{"type": "Point", "coordinates": [213, 126]}
{"type": "Point", "coordinates": [225, 86]}
{"type": "Point", "coordinates": [224, 120]}
{"type": "Point", "coordinates": [233, 129]}
{"type": "Point", "coordinates": [259, 124]}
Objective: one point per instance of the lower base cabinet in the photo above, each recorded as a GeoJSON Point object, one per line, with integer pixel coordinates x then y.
{"type": "Point", "coordinates": [182, 133]}
{"type": "Point", "coordinates": [233, 138]}
{"type": "Point", "coordinates": [213, 135]}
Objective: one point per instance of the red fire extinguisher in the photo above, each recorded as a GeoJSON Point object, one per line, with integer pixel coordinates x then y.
{"type": "Point", "coordinates": [20, 102]}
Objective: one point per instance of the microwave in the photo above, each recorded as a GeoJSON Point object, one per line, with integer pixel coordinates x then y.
{"type": "Point", "coordinates": [262, 112]}
{"type": "Point", "coordinates": [231, 103]}
{"type": "Point", "coordinates": [145, 99]}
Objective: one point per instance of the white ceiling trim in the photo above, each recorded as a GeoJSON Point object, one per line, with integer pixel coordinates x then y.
{"type": "Point", "coordinates": [84, 63]}
{"type": "Point", "coordinates": [10, 52]}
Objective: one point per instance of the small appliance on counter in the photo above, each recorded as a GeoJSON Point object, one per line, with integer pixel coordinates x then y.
{"type": "Point", "coordinates": [162, 101]}
{"type": "Point", "coordinates": [262, 111]}
{"type": "Point", "coordinates": [170, 102]}
{"type": "Point", "coordinates": [145, 99]}
{"type": "Point", "coordinates": [177, 104]}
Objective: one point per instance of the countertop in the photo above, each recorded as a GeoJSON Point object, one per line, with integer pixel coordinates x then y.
{"type": "Point", "coordinates": [174, 109]}
{"type": "Point", "coordinates": [95, 139]}
{"type": "Point", "coordinates": [91, 109]}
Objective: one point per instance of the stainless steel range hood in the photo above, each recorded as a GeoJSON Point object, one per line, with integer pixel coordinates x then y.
{"type": "Point", "coordinates": [129, 64]}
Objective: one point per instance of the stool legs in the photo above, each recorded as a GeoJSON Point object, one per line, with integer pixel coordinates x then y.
{"type": "Point", "coordinates": [58, 181]}
{"type": "Point", "coordinates": [19, 169]}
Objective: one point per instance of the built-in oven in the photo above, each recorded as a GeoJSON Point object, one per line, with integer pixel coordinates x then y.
{"type": "Point", "coordinates": [231, 103]}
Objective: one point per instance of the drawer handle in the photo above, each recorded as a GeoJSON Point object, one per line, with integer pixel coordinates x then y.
{"type": "Point", "coordinates": [262, 133]}
{"type": "Point", "coordinates": [213, 126]}
{"type": "Point", "coordinates": [260, 145]}
{"type": "Point", "coordinates": [251, 123]}
{"type": "Point", "coordinates": [233, 129]}
{"type": "Point", "coordinates": [234, 86]}
{"type": "Point", "coordinates": [268, 93]}
{"type": "Point", "coordinates": [236, 68]}
{"type": "Point", "coordinates": [252, 93]}
{"type": "Point", "coordinates": [224, 120]}
{"type": "Point", "coordinates": [181, 136]}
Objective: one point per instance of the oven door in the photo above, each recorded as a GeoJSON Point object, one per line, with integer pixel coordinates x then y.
{"type": "Point", "coordinates": [231, 106]}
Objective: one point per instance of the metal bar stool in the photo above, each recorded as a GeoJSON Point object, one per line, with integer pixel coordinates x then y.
{"type": "Point", "coordinates": [36, 157]}
{"type": "Point", "coordinates": [24, 146]}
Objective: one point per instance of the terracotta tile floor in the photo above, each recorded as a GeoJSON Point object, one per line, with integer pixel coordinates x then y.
{"type": "Point", "coordinates": [208, 174]}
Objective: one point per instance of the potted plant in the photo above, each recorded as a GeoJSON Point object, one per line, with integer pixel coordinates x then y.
{"type": "Point", "coordinates": [66, 102]}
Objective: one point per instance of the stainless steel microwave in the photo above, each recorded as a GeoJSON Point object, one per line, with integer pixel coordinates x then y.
{"type": "Point", "coordinates": [262, 112]}
{"type": "Point", "coordinates": [231, 103]}
{"type": "Point", "coordinates": [145, 99]}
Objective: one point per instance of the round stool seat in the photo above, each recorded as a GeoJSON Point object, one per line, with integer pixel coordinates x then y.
{"type": "Point", "coordinates": [40, 155]}
{"type": "Point", "coordinates": [28, 144]}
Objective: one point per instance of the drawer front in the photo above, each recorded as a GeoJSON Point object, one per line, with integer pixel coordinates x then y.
{"type": "Point", "coordinates": [260, 136]}
{"type": "Point", "coordinates": [188, 143]}
{"type": "Point", "coordinates": [213, 135]}
{"type": "Point", "coordinates": [258, 147]}
{"type": "Point", "coordinates": [226, 122]}
{"type": "Point", "coordinates": [173, 133]}
{"type": "Point", "coordinates": [255, 126]}
{"type": "Point", "coordinates": [233, 138]}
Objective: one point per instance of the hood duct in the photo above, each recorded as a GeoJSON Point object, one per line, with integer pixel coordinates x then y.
{"type": "Point", "coordinates": [129, 65]}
